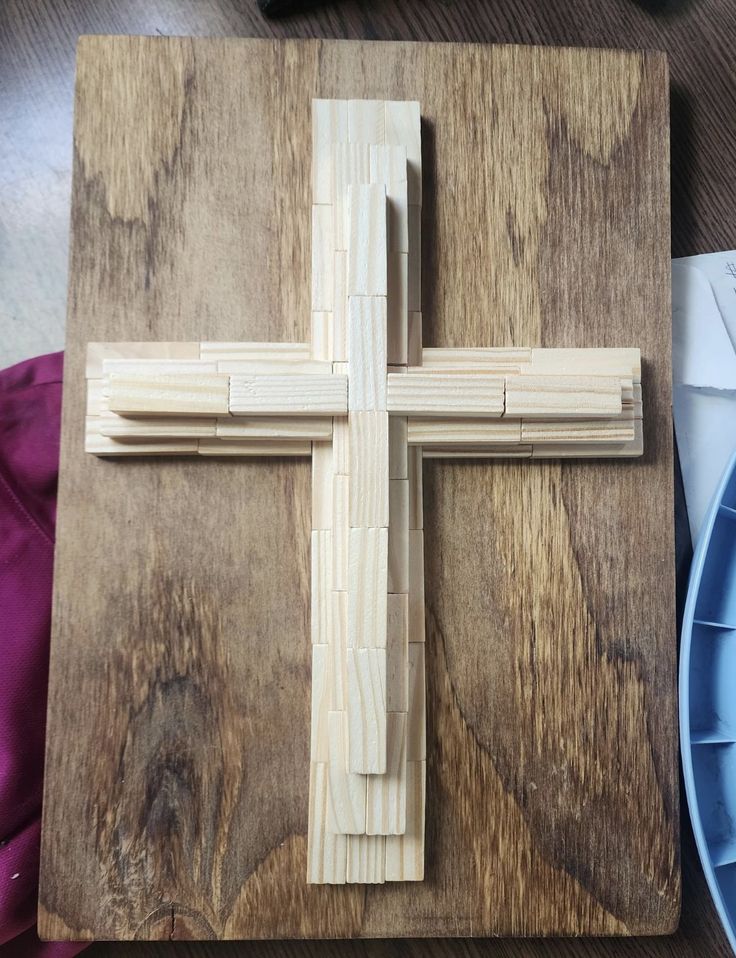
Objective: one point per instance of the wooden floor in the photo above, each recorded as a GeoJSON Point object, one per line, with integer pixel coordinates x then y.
{"type": "Point", "coordinates": [37, 44]}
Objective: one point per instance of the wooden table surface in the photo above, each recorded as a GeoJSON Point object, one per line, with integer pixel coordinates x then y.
{"type": "Point", "coordinates": [37, 42]}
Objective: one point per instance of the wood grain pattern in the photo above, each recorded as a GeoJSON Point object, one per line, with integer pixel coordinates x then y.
{"type": "Point", "coordinates": [176, 827]}
{"type": "Point", "coordinates": [369, 451]}
{"type": "Point", "coordinates": [454, 394]}
{"type": "Point", "coordinates": [312, 395]}
{"type": "Point", "coordinates": [544, 397]}
{"type": "Point", "coordinates": [366, 710]}
{"type": "Point", "coordinates": [169, 394]}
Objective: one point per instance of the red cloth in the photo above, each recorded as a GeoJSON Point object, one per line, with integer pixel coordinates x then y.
{"type": "Point", "coordinates": [30, 413]}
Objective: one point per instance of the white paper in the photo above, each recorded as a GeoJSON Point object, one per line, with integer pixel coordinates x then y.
{"type": "Point", "coordinates": [704, 373]}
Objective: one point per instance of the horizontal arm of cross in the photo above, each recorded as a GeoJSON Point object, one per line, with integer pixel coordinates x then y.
{"type": "Point", "coordinates": [269, 398]}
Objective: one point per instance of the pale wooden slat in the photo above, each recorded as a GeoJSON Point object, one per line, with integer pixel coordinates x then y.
{"type": "Point", "coordinates": [416, 727]}
{"type": "Point", "coordinates": [476, 357]}
{"type": "Point", "coordinates": [594, 361]}
{"type": "Point", "coordinates": [557, 396]}
{"type": "Point", "coordinates": [96, 398]}
{"type": "Point", "coordinates": [326, 851]}
{"type": "Point", "coordinates": [367, 588]}
{"type": "Point", "coordinates": [254, 447]}
{"type": "Point", "coordinates": [321, 485]}
{"type": "Point", "coordinates": [398, 307]}
{"type": "Point", "coordinates": [470, 451]}
{"type": "Point", "coordinates": [350, 167]}
{"type": "Point", "coordinates": [295, 395]}
{"type": "Point", "coordinates": [321, 566]}
{"type": "Point", "coordinates": [414, 264]}
{"type": "Point", "coordinates": [388, 166]}
{"type": "Point", "coordinates": [620, 429]}
{"type": "Point", "coordinates": [255, 352]}
{"type": "Point", "coordinates": [340, 531]}
{"type": "Point", "coordinates": [405, 853]}
{"type": "Point", "coordinates": [341, 446]}
{"type": "Point", "coordinates": [160, 394]}
{"type": "Point", "coordinates": [397, 653]}
{"type": "Point", "coordinates": [428, 432]}
{"type": "Point", "coordinates": [146, 366]}
{"type": "Point", "coordinates": [274, 366]}
{"type": "Point", "coordinates": [367, 353]}
{"type": "Point", "coordinates": [385, 808]}
{"type": "Point", "coordinates": [99, 445]}
{"type": "Point", "coordinates": [403, 127]}
{"type": "Point", "coordinates": [417, 394]}
{"type": "Point", "coordinates": [338, 645]}
{"type": "Point", "coordinates": [323, 246]}
{"type": "Point", "coordinates": [365, 707]}
{"type": "Point", "coordinates": [318, 428]}
{"type": "Point", "coordinates": [98, 352]}
{"type": "Point", "coordinates": [340, 307]}
{"type": "Point", "coordinates": [366, 121]}
{"type": "Point", "coordinates": [167, 427]}
{"type": "Point", "coordinates": [366, 859]}
{"type": "Point", "coordinates": [319, 742]}
{"type": "Point", "coordinates": [346, 792]}
{"type": "Point", "coordinates": [368, 469]}
{"type": "Point", "coordinates": [367, 241]}
{"type": "Point", "coordinates": [398, 535]}
{"type": "Point", "coordinates": [329, 126]}
{"type": "Point", "coordinates": [592, 450]}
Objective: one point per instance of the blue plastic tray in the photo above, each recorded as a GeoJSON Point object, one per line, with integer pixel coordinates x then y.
{"type": "Point", "coordinates": [708, 698]}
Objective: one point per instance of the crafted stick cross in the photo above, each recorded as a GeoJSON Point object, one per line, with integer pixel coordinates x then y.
{"type": "Point", "coordinates": [367, 402]}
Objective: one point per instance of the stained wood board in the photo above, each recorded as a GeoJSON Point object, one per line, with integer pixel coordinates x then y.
{"type": "Point", "coordinates": [178, 736]}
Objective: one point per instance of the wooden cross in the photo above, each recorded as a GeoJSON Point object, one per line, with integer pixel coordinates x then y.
{"type": "Point", "coordinates": [367, 402]}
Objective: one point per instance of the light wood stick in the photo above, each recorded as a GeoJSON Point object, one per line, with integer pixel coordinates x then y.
{"type": "Point", "coordinates": [160, 394]}
{"type": "Point", "coordinates": [548, 397]}
{"type": "Point", "coordinates": [385, 806]}
{"type": "Point", "coordinates": [366, 711]}
{"type": "Point", "coordinates": [295, 395]}
{"type": "Point", "coordinates": [452, 394]}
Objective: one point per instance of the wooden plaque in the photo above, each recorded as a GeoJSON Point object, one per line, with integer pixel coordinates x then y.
{"type": "Point", "coordinates": [178, 736]}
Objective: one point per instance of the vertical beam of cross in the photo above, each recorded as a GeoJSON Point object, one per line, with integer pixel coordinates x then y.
{"type": "Point", "coordinates": [367, 729]}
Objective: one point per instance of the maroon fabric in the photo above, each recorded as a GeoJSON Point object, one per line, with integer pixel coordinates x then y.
{"type": "Point", "coordinates": [30, 412]}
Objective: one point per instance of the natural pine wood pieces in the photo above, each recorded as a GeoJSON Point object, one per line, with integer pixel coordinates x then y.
{"type": "Point", "coordinates": [346, 805]}
{"type": "Point", "coordinates": [288, 395]}
{"type": "Point", "coordinates": [367, 588]}
{"type": "Point", "coordinates": [367, 416]}
{"type": "Point", "coordinates": [327, 855]}
{"type": "Point", "coordinates": [369, 452]}
{"type": "Point", "coordinates": [367, 352]}
{"type": "Point", "coordinates": [368, 193]}
{"type": "Point", "coordinates": [452, 394]}
{"type": "Point", "coordinates": [386, 794]}
{"type": "Point", "coordinates": [360, 493]}
{"type": "Point", "coordinates": [569, 397]}
{"type": "Point", "coordinates": [367, 262]}
{"type": "Point", "coordinates": [405, 853]}
{"type": "Point", "coordinates": [193, 394]}
{"type": "Point", "coordinates": [246, 399]}
{"type": "Point", "coordinates": [366, 710]}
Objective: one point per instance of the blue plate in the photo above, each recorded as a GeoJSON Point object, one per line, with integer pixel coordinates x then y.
{"type": "Point", "coordinates": [708, 698]}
